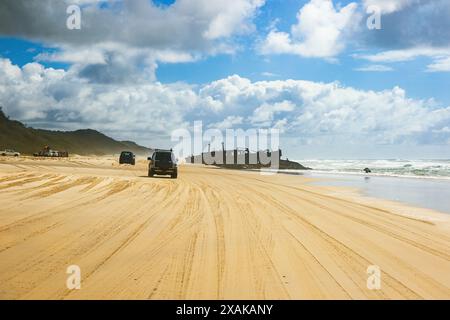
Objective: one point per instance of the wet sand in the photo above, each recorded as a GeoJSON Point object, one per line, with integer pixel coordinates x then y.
{"type": "Point", "coordinates": [432, 193]}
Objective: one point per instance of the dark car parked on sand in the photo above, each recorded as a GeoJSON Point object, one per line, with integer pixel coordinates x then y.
{"type": "Point", "coordinates": [127, 157]}
{"type": "Point", "coordinates": [163, 162]}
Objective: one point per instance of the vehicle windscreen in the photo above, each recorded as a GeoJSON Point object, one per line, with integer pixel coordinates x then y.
{"type": "Point", "coordinates": [163, 156]}
{"type": "Point", "coordinates": [126, 154]}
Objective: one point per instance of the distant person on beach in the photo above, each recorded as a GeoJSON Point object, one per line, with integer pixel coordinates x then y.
{"type": "Point", "coordinates": [367, 170]}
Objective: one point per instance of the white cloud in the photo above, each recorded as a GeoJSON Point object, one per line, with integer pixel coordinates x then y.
{"type": "Point", "coordinates": [269, 74]}
{"type": "Point", "coordinates": [321, 31]}
{"type": "Point", "coordinates": [59, 99]}
{"type": "Point", "coordinates": [130, 34]}
{"type": "Point", "coordinates": [375, 68]}
{"type": "Point", "coordinates": [266, 112]}
{"type": "Point", "coordinates": [228, 123]}
{"type": "Point", "coordinates": [89, 55]}
{"type": "Point", "coordinates": [115, 62]}
{"type": "Point", "coordinates": [441, 64]}
{"type": "Point", "coordinates": [321, 113]}
{"type": "Point", "coordinates": [440, 57]}
{"type": "Point", "coordinates": [231, 18]}
{"type": "Point", "coordinates": [389, 6]}
{"type": "Point", "coordinates": [186, 25]}
{"type": "Point", "coordinates": [405, 54]}
{"type": "Point", "coordinates": [326, 31]}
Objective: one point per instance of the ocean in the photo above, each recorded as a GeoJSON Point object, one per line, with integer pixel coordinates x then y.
{"type": "Point", "coordinates": [420, 183]}
{"type": "Point", "coordinates": [389, 167]}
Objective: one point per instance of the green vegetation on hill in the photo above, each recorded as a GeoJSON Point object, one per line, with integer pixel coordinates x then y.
{"type": "Point", "coordinates": [15, 135]}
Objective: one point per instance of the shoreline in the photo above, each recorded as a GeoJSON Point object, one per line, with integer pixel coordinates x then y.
{"type": "Point", "coordinates": [427, 194]}
{"type": "Point", "coordinates": [324, 177]}
{"type": "Point", "coordinates": [412, 168]}
{"type": "Point", "coordinates": [375, 174]}
{"type": "Point", "coordinates": [396, 207]}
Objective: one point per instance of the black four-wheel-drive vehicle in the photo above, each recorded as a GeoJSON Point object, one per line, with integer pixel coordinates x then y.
{"type": "Point", "coordinates": [127, 157]}
{"type": "Point", "coordinates": [163, 162]}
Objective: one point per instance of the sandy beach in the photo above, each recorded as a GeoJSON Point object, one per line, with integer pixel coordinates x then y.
{"type": "Point", "coordinates": [210, 234]}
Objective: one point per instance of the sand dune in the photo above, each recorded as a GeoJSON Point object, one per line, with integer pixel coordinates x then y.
{"type": "Point", "coordinates": [211, 234]}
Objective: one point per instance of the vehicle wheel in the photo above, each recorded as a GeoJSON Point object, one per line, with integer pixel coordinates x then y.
{"type": "Point", "coordinates": [174, 175]}
{"type": "Point", "coordinates": [151, 173]}
{"type": "Point", "coordinates": [16, 155]}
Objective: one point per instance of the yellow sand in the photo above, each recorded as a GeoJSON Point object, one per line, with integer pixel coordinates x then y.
{"type": "Point", "coordinates": [210, 234]}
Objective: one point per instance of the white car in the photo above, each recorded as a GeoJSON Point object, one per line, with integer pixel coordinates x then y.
{"type": "Point", "coordinates": [9, 152]}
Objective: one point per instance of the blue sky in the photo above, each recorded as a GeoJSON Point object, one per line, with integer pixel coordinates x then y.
{"type": "Point", "coordinates": [311, 68]}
